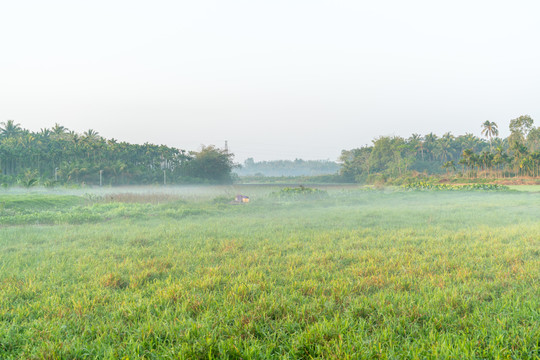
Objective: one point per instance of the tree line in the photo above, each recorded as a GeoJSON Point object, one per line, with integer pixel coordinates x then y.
{"type": "Point", "coordinates": [58, 155]}
{"type": "Point", "coordinates": [465, 155]}
{"type": "Point", "coordinates": [297, 167]}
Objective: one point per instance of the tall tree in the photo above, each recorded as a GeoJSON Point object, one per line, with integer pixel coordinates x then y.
{"type": "Point", "coordinates": [489, 130]}
{"type": "Point", "coordinates": [211, 163]}
{"type": "Point", "coordinates": [9, 129]}
{"type": "Point", "coordinates": [521, 125]}
{"type": "Point", "coordinates": [58, 129]}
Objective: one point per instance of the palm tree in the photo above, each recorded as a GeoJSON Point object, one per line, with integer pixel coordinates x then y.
{"type": "Point", "coordinates": [91, 134]}
{"type": "Point", "coordinates": [520, 152]}
{"type": "Point", "coordinates": [9, 129]}
{"type": "Point", "coordinates": [467, 159]}
{"type": "Point", "coordinates": [45, 132]}
{"type": "Point", "coordinates": [449, 165]}
{"type": "Point", "coordinates": [416, 141]}
{"type": "Point", "coordinates": [58, 129]}
{"type": "Point", "coordinates": [486, 161]}
{"type": "Point", "coordinates": [469, 141]}
{"type": "Point", "coordinates": [445, 146]}
{"type": "Point", "coordinates": [489, 129]}
{"type": "Point", "coordinates": [499, 159]}
{"type": "Point", "coordinates": [430, 141]}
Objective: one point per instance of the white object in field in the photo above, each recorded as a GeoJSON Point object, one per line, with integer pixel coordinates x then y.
{"type": "Point", "coordinates": [242, 199]}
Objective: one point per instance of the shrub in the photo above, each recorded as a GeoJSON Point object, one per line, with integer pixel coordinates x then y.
{"type": "Point", "coordinates": [421, 185]}
{"type": "Point", "coordinates": [300, 192]}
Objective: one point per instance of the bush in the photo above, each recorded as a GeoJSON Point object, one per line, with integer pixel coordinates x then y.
{"type": "Point", "coordinates": [421, 185]}
{"type": "Point", "coordinates": [300, 192]}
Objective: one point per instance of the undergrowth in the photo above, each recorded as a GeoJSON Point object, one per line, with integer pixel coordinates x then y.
{"type": "Point", "coordinates": [300, 192]}
{"type": "Point", "coordinates": [454, 187]}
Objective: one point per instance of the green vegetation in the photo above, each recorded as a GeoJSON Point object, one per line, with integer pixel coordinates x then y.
{"type": "Point", "coordinates": [356, 274]}
{"type": "Point", "coordinates": [73, 210]}
{"type": "Point", "coordinates": [300, 192]}
{"type": "Point", "coordinates": [464, 187]}
{"type": "Point", "coordinates": [465, 156]}
{"type": "Point", "coordinates": [59, 156]}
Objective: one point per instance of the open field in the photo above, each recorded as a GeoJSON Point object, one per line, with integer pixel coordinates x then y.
{"type": "Point", "coordinates": [181, 273]}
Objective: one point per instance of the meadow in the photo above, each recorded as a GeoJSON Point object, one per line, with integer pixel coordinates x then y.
{"type": "Point", "coordinates": [180, 273]}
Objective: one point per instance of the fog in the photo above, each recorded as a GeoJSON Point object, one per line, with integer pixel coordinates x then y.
{"type": "Point", "coordinates": [192, 193]}
{"type": "Point", "coordinates": [278, 80]}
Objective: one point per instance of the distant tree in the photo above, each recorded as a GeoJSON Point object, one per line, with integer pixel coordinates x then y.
{"type": "Point", "coordinates": [297, 167]}
{"type": "Point", "coordinates": [45, 133]}
{"type": "Point", "coordinates": [489, 130]}
{"type": "Point", "coordinates": [520, 151]}
{"type": "Point", "coordinates": [533, 139]}
{"type": "Point", "coordinates": [449, 165]}
{"type": "Point", "coordinates": [518, 154]}
{"type": "Point", "coordinates": [356, 163]}
{"type": "Point", "coordinates": [58, 129]}
{"type": "Point", "coordinates": [9, 129]}
{"type": "Point", "coordinates": [91, 134]}
{"type": "Point", "coordinates": [417, 142]}
{"type": "Point", "coordinates": [444, 147]}
{"type": "Point", "coordinates": [249, 162]}
{"type": "Point", "coordinates": [519, 129]}
{"type": "Point", "coordinates": [391, 155]}
{"type": "Point", "coordinates": [467, 159]}
{"type": "Point", "coordinates": [521, 125]}
{"type": "Point", "coordinates": [430, 143]}
{"type": "Point", "coordinates": [75, 157]}
{"type": "Point", "coordinates": [211, 163]}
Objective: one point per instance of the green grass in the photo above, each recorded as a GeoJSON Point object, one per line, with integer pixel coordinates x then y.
{"type": "Point", "coordinates": [357, 274]}
{"type": "Point", "coordinates": [530, 188]}
{"type": "Point", "coordinates": [37, 202]}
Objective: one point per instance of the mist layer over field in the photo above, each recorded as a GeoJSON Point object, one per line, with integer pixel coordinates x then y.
{"type": "Point", "coordinates": [350, 273]}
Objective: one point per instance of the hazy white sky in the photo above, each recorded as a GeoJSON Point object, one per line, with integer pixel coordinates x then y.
{"type": "Point", "coordinates": [278, 79]}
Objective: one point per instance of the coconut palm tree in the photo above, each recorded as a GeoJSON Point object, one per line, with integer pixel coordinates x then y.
{"type": "Point", "coordinates": [445, 146]}
{"type": "Point", "coordinates": [467, 159]}
{"type": "Point", "coordinates": [416, 141]}
{"type": "Point", "coordinates": [91, 134]}
{"type": "Point", "coordinates": [9, 129]}
{"type": "Point", "coordinates": [430, 142]}
{"type": "Point", "coordinates": [58, 129]}
{"type": "Point", "coordinates": [489, 129]}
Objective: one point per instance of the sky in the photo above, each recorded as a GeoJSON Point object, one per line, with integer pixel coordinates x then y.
{"type": "Point", "coordinates": [280, 79]}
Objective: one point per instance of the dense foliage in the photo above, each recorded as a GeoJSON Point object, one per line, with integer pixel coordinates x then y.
{"type": "Point", "coordinates": [465, 155]}
{"type": "Point", "coordinates": [57, 155]}
{"type": "Point", "coordinates": [63, 156]}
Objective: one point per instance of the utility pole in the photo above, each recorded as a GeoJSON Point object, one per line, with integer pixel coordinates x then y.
{"type": "Point", "coordinates": [55, 174]}
{"type": "Point", "coordinates": [100, 178]}
{"type": "Point", "coordinates": [164, 177]}
{"type": "Point", "coordinates": [226, 146]}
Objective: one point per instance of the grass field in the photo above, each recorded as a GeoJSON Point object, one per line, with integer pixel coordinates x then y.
{"type": "Point", "coordinates": [183, 274]}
